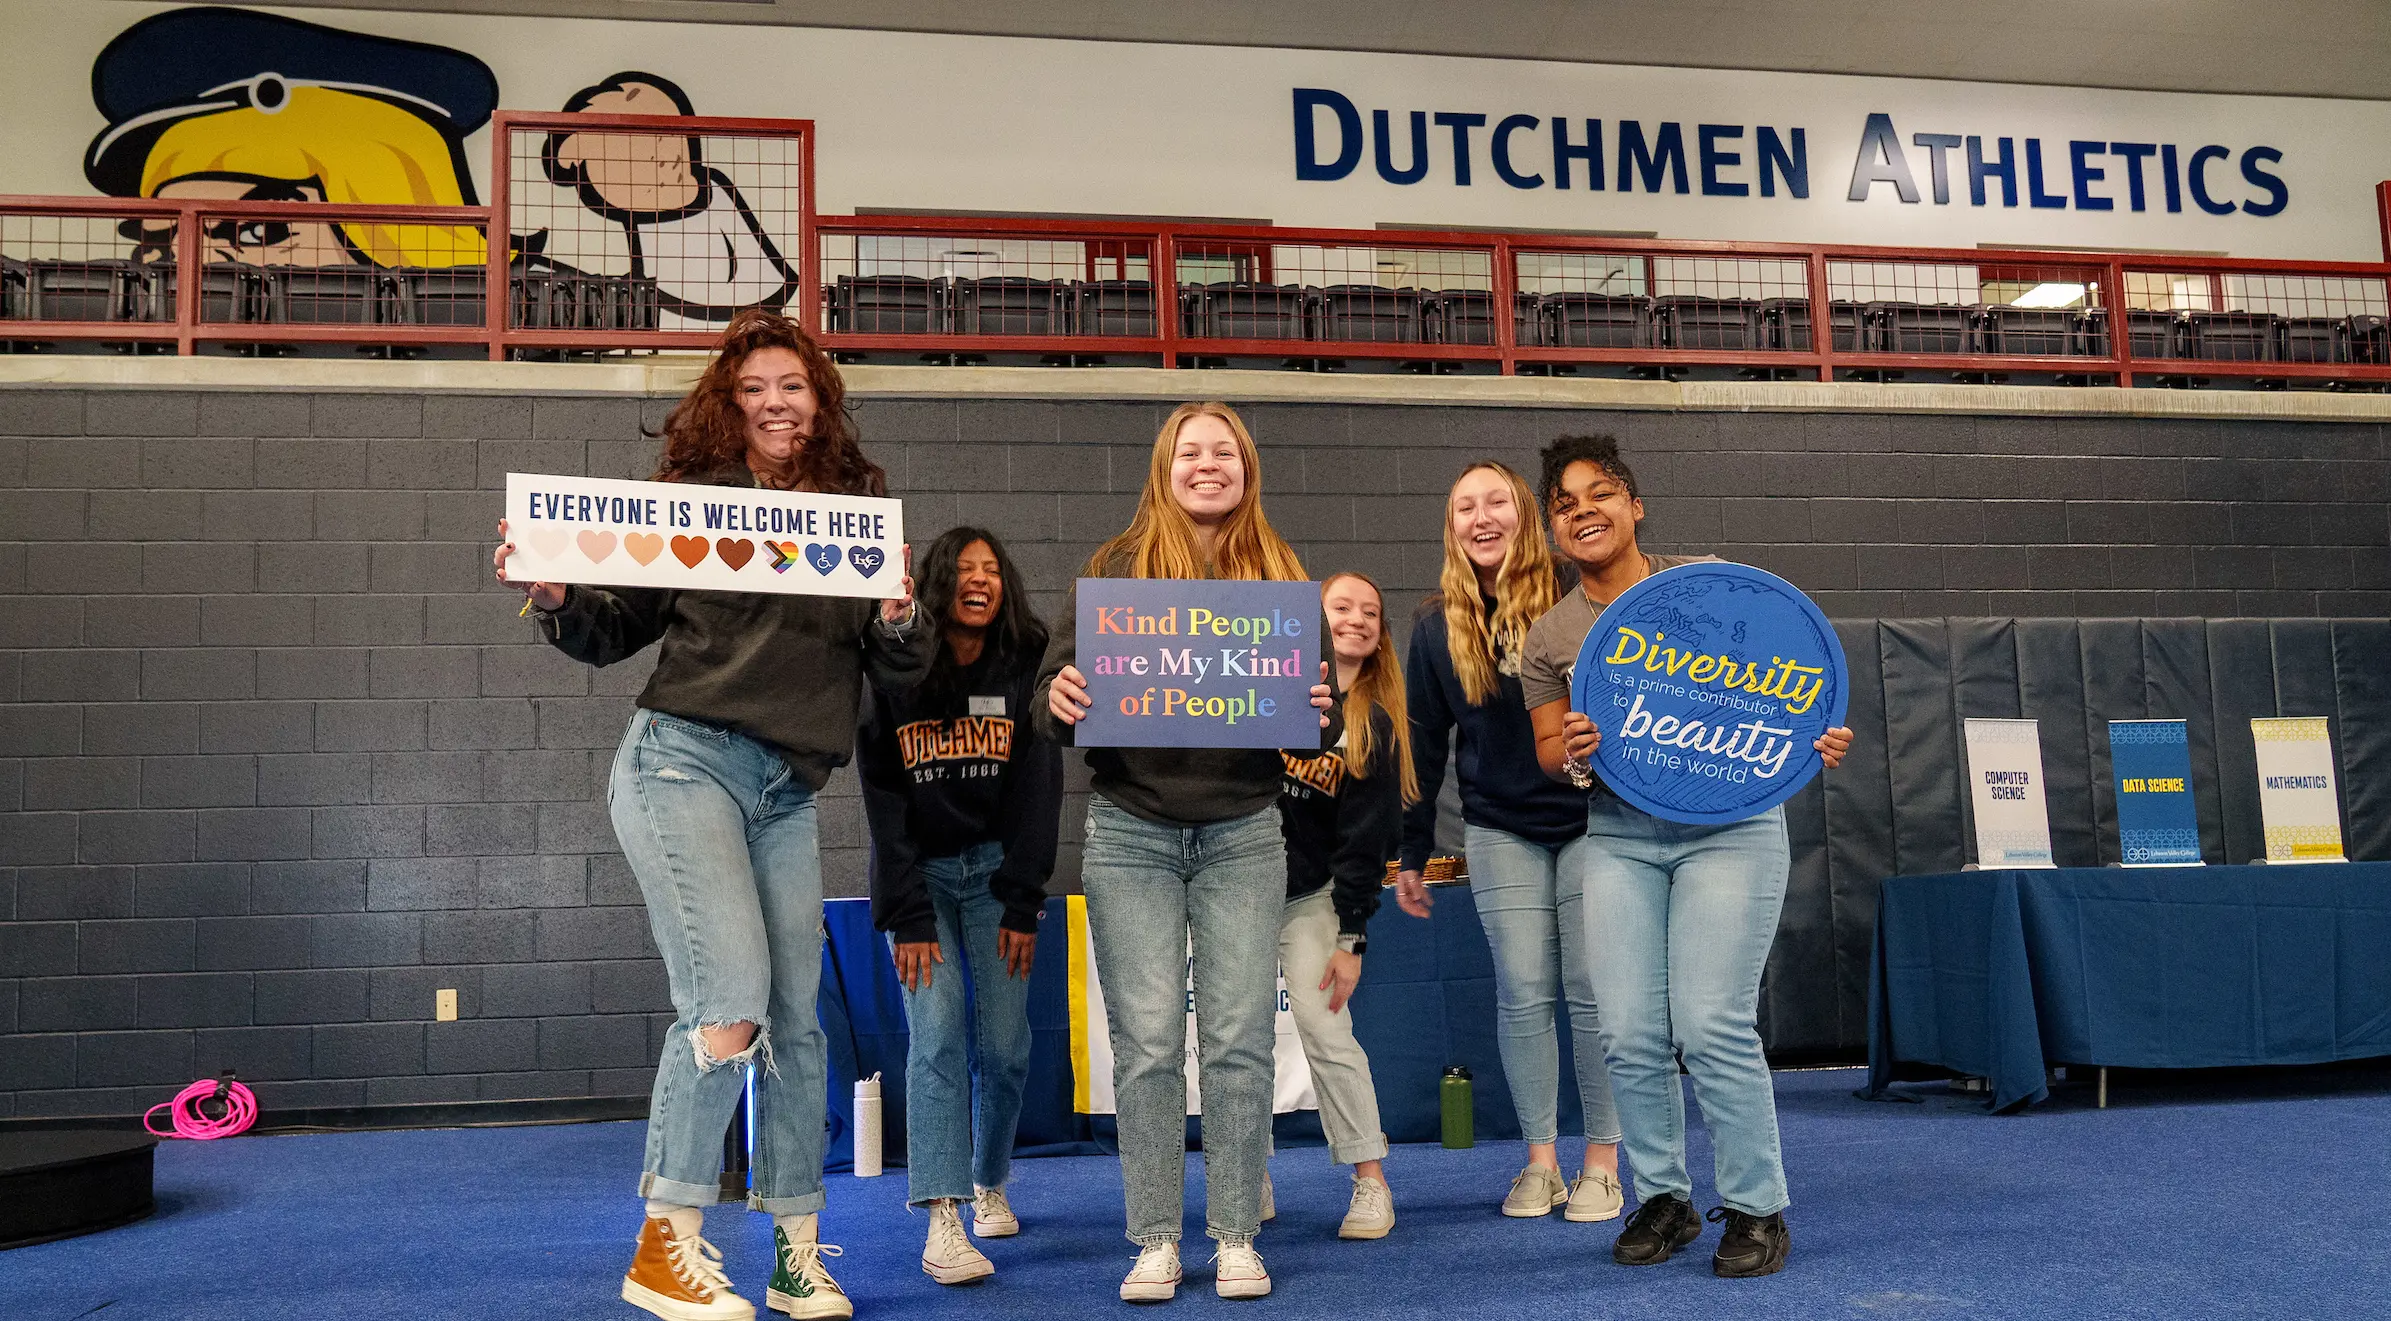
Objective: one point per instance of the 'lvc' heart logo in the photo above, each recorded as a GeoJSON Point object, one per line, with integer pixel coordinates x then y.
{"type": "Point", "coordinates": [823, 556]}
{"type": "Point", "coordinates": [866, 559]}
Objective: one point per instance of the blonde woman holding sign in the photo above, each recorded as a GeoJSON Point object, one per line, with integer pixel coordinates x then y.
{"type": "Point", "coordinates": [1679, 918]}
{"type": "Point", "coordinates": [1524, 834]}
{"type": "Point", "coordinates": [1184, 860]}
{"type": "Point", "coordinates": [751, 706]}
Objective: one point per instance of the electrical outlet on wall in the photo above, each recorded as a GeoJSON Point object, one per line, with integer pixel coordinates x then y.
{"type": "Point", "coordinates": [444, 1004]}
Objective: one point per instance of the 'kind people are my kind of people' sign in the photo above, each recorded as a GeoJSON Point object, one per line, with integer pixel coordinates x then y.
{"type": "Point", "coordinates": [1198, 663]}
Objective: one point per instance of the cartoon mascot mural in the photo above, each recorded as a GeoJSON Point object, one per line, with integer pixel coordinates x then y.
{"type": "Point", "coordinates": [230, 104]}
{"type": "Point", "coordinates": [234, 105]}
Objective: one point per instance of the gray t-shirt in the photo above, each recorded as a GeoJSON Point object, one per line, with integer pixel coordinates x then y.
{"type": "Point", "coordinates": [1550, 652]}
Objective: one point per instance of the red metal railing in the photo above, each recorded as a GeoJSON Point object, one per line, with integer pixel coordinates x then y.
{"type": "Point", "coordinates": [603, 232]}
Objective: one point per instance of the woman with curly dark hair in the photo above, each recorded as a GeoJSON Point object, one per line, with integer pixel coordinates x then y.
{"type": "Point", "coordinates": [750, 708]}
{"type": "Point", "coordinates": [965, 799]}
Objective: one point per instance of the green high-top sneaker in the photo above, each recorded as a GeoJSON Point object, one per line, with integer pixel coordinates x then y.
{"type": "Point", "coordinates": [801, 1285]}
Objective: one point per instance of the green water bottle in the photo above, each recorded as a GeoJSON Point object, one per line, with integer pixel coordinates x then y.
{"type": "Point", "coordinates": [1453, 1098]}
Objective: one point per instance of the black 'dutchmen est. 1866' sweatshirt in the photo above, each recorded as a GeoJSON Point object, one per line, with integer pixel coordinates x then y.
{"type": "Point", "coordinates": [1341, 827]}
{"type": "Point", "coordinates": [944, 771]}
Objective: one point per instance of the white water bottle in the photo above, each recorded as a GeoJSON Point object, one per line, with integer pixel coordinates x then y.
{"type": "Point", "coordinates": [867, 1127]}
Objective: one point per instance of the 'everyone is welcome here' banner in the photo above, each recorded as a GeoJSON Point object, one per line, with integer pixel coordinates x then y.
{"type": "Point", "coordinates": [725, 538]}
{"type": "Point", "coordinates": [1198, 663]}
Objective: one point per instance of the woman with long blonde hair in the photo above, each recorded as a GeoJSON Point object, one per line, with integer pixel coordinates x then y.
{"type": "Point", "coordinates": [1184, 862]}
{"type": "Point", "coordinates": [1521, 830]}
{"type": "Point", "coordinates": [1343, 815]}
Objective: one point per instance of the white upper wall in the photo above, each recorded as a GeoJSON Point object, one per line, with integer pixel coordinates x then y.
{"type": "Point", "coordinates": [930, 121]}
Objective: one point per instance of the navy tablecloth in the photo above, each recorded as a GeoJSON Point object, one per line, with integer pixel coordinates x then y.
{"type": "Point", "coordinates": [1426, 1001]}
{"type": "Point", "coordinates": [1999, 973]}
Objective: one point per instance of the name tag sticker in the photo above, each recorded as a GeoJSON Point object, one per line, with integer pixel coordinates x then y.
{"type": "Point", "coordinates": [988, 706]}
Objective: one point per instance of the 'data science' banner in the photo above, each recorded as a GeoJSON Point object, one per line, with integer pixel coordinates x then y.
{"type": "Point", "coordinates": [1175, 663]}
{"type": "Point", "coordinates": [729, 538]}
{"type": "Point", "coordinates": [1709, 683]}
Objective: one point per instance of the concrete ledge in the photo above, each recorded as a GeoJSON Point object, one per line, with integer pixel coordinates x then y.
{"type": "Point", "coordinates": [669, 375]}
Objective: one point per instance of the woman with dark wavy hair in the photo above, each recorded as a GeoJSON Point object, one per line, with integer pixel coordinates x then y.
{"type": "Point", "coordinates": [965, 797]}
{"type": "Point", "coordinates": [750, 708]}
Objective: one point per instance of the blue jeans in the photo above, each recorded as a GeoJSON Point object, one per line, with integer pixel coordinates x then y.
{"type": "Point", "coordinates": [1160, 899]}
{"type": "Point", "coordinates": [1528, 897]}
{"type": "Point", "coordinates": [722, 838]}
{"type": "Point", "coordinates": [1687, 915]}
{"type": "Point", "coordinates": [960, 1029]}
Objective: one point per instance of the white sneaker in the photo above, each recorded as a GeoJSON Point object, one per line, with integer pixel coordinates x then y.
{"type": "Point", "coordinates": [1155, 1278]}
{"type": "Point", "coordinates": [1372, 1212]}
{"type": "Point", "coordinates": [991, 1215]}
{"type": "Point", "coordinates": [948, 1256]}
{"type": "Point", "coordinates": [1238, 1272]}
{"type": "Point", "coordinates": [1595, 1196]}
{"type": "Point", "coordinates": [1270, 1202]}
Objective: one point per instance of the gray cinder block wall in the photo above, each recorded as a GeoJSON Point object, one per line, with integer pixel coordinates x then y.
{"type": "Point", "coordinates": [278, 760]}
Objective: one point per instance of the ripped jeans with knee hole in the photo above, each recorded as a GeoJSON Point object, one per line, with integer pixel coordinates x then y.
{"type": "Point", "coordinates": [722, 837]}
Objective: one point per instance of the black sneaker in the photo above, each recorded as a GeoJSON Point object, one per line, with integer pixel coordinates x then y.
{"type": "Point", "coordinates": [1750, 1245]}
{"type": "Point", "coordinates": [1653, 1234]}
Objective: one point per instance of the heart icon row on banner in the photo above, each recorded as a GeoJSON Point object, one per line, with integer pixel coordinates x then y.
{"type": "Point", "coordinates": [736, 552]}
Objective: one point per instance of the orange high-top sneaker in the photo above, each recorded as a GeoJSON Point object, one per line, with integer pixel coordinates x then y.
{"type": "Point", "coordinates": [679, 1277]}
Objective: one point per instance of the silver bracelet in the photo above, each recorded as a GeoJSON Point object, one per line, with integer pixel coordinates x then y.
{"type": "Point", "coordinates": [1581, 773]}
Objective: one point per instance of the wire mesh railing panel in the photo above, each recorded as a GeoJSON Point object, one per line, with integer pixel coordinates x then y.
{"type": "Point", "coordinates": [95, 268]}
{"type": "Point", "coordinates": [652, 226]}
{"type": "Point", "coordinates": [1727, 304]}
{"type": "Point", "coordinates": [324, 269]}
{"type": "Point", "coordinates": [1333, 293]}
{"type": "Point", "coordinates": [987, 284]}
{"type": "Point", "coordinates": [2250, 317]}
{"type": "Point", "coordinates": [2005, 309]}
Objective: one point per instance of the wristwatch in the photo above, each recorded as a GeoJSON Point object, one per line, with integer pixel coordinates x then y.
{"type": "Point", "coordinates": [1352, 942]}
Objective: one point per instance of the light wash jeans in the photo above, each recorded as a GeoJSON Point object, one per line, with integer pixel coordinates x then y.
{"type": "Point", "coordinates": [1340, 1071]}
{"type": "Point", "coordinates": [1528, 899]}
{"type": "Point", "coordinates": [1150, 888]}
{"type": "Point", "coordinates": [1687, 915]}
{"type": "Point", "coordinates": [722, 838]}
{"type": "Point", "coordinates": [956, 1036]}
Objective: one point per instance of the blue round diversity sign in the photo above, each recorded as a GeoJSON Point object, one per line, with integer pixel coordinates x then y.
{"type": "Point", "coordinates": [1709, 683]}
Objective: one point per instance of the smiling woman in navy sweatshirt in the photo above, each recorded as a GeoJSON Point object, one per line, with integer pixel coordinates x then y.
{"type": "Point", "coordinates": [964, 796]}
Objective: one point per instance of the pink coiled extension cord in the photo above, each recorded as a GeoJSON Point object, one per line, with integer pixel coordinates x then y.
{"type": "Point", "coordinates": [236, 1106]}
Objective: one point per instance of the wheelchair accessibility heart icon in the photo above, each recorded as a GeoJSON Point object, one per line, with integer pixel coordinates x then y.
{"type": "Point", "coordinates": [823, 556]}
{"type": "Point", "coordinates": [866, 559]}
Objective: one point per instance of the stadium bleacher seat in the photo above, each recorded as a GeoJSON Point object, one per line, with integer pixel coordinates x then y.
{"type": "Point", "coordinates": [1369, 314]}
{"type": "Point", "coordinates": [1788, 322]}
{"type": "Point", "coordinates": [448, 296]}
{"type": "Point", "coordinates": [1598, 321]}
{"type": "Point", "coordinates": [79, 290]}
{"type": "Point", "coordinates": [1905, 327]}
{"type": "Point", "coordinates": [2233, 336]}
{"type": "Point", "coordinates": [1236, 309]}
{"type": "Point", "coordinates": [229, 291]}
{"type": "Point", "coordinates": [2030, 330]}
{"type": "Point", "coordinates": [888, 305]}
{"type": "Point", "coordinates": [1012, 305]}
{"type": "Point", "coordinates": [1686, 321]}
{"type": "Point", "coordinates": [324, 295]}
{"type": "Point", "coordinates": [2364, 339]}
{"type": "Point", "coordinates": [12, 289]}
{"type": "Point", "coordinates": [2150, 333]}
{"type": "Point", "coordinates": [1114, 307]}
{"type": "Point", "coordinates": [1466, 316]}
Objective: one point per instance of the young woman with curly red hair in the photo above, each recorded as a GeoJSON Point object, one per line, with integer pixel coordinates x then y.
{"type": "Point", "coordinates": [751, 706]}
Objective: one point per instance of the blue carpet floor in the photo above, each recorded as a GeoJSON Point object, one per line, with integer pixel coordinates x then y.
{"type": "Point", "coordinates": [2236, 1199]}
